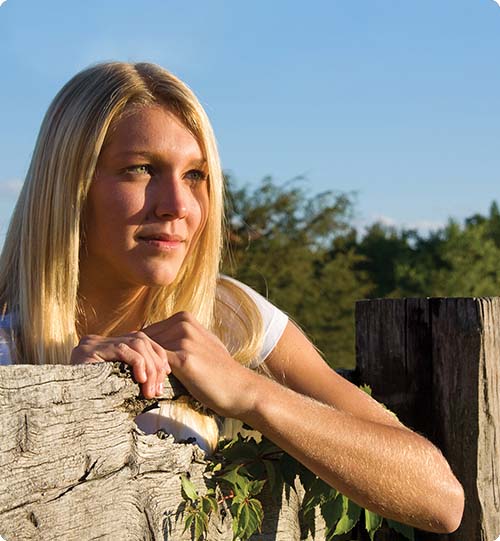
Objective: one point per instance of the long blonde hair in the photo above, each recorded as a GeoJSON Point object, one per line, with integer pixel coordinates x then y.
{"type": "Point", "coordinates": [39, 265]}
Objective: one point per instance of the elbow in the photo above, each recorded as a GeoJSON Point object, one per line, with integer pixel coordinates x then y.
{"type": "Point", "coordinates": [451, 517]}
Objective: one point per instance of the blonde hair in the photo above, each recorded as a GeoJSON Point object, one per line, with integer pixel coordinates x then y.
{"type": "Point", "coordinates": [39, 266]}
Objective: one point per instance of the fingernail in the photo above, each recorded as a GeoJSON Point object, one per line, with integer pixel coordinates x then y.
{"type": "Point", "coordinates": [160, 388]}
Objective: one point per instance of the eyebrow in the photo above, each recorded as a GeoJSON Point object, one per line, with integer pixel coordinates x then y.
{"type": "Point", "coordinates": [196, 162]}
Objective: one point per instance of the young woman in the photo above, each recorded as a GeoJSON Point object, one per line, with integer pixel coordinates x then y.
{"type": "Point", "coordinates": [113, 254]}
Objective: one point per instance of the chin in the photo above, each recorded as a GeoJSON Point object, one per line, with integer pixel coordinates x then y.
{"type": "Point", "coordinates": [158, 279]}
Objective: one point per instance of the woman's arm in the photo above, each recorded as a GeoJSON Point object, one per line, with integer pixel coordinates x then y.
{"type": "Point", "coordinates": [329, 425]}
{"type": "Point", "coordinates": [352, 442]}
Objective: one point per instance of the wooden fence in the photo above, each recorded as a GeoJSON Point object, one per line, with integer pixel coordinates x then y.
{"type": "Point", "coordinates": [74, 466]}
{"type": "Point", "coordinates": [436, 363]}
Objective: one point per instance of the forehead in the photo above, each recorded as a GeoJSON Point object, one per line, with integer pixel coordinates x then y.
{"type": "Point", "coordinates": [152, 129]}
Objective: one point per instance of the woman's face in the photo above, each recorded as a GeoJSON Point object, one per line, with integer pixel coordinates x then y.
{"type": "Point", "coordinates": [147, 203]}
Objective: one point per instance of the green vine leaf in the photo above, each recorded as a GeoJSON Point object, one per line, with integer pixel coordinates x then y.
{"type": "Point", "coordinates": [366, 388]}
{"type": "Point", "coordinates": [188, 488]}
{"type": "Point", "coordinates": [255, 487]}
{"type": "Point", "coordinates": [200, 526]}
{"type": "Point", "coordinates": [373, 522]}
{"type": "Point", "coordinates": [275, 479]}
{"type": "Point", "coordinates": [248, 515]}
{"type": "Point", "coordinates": [188, 523]}
{"type": "Point", "coordinates": [209, 505]}
{"type": "Point", "coordinates": [233, 477]}
{"type": "Point", "coordinates": [289, 469]}
{"type": "Point", "coordinates": [332, 511]}
{"type": "Point", "coordinates": [239, 471]}
{"type": "Point", "coordinates": [403, 529]}
{"type": "Point", "coordinates": [349, 518]}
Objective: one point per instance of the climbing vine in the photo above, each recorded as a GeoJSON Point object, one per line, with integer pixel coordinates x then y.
{"type": "Point", "coordinates": [241, 468]}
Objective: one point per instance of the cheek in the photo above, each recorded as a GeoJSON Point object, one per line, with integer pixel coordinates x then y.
{"type": "Point", "coordinates": [202, 211]}
{"type": "Point", "coordinates": [112, 208]}
{"type": "Point", "coordinates": [197, 221]}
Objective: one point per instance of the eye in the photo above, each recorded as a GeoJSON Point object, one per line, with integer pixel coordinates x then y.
{"type": "Point", "coordinates": [139, 169]}
{"type": "Point", "coordinates": [196, 175]}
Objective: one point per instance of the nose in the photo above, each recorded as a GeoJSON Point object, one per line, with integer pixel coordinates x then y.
{"type": "Point", "coordinates": [171, 198]}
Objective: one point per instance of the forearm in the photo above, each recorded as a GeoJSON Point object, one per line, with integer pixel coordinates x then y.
{"type": "Point", "coordinates": [389, 470]}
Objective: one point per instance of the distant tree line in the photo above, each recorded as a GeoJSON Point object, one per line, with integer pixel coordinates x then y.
{"type": "Point", "coordinates": [303, 252]}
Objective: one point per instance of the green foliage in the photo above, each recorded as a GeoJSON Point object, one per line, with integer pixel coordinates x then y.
{"type": "Point", "coordinates": [457, 260]}
{"type": "Point", "coordinates": [281, 242]}
{"type": "Point", "coordinates": [238, 473]}
{"type": "Point", "coordinates": [198, 508]}
{"type": "Point", "coordinates": [373, 522]}
{"type": "Point", "coordinates": [303, 252]}
{"type": "Point", "coordinates": [403, 529]}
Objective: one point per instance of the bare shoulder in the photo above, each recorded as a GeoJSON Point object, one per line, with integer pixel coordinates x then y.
{"type": "Point", "coordinates": [296, 363]}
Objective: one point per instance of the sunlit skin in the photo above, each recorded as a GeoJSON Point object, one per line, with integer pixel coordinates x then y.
{"type": "Point", "coordinates": [149, 180]}
{"type": "Point", "coordinates": [146, 205]}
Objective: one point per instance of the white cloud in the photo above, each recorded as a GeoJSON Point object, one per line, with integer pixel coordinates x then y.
{"type": "Point", "coordinates": [384, 220]}
{"type": "Point", "coordinates": [2, 2]}
{"type": "Point", "coordinates": [497, 2]}
{"type": "Point", "coordinates": [422, 226]}
{"type": "Point", "coordinates": [11, 186]}
{"type": "Point", "coordinates": [9, 190]}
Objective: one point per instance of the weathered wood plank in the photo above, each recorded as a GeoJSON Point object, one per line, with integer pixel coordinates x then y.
{"type": "Point", "coordinates": [466, 353]}
{"type": "Point", "coordinates": [74, 466]}
{"type": "Point", "coordinates": [435, 362]}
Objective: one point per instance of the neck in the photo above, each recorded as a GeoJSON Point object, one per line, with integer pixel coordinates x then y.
{"type": "Point", "coordinates": [113, 311]}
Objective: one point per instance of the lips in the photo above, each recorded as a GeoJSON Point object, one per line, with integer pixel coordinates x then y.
{"type": "Point", "coordinates": [161, 241]}
{"type": "Point", "coordinates": [160, 236]}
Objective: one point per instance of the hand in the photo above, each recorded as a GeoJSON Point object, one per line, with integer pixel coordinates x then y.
{"type": "Point", "coordinates": [204, 366]}
{"type": "Point", "coordinates": [146, 357]}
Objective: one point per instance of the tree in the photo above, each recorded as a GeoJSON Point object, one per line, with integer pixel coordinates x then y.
{"type": "Point", "coordinates": [383, 248]}
{"type": "Point", "coordinates": [457, 261]}
{"type": "Point", "coordinates": [281, 242]}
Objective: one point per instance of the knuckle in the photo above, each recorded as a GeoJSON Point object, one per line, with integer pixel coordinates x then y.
{"type": "Point", "coordinates": [161, 366]}
{"type": "Point", "coordinates": [122, 347]}
{"type": "Point", "coordinates": [184, 357]}
{"type": "Point", "coordinates": [137, 359]}
{"type": "Point", "coordinates": [186, 328]}
{"type": "Point", "coordinates": [184, 344]}
{"type": "Point", "coordinates": [136, 343]}
{"type": "Point", "coordinates": [185, 316]}
{"type": "Point", "coordinates": [87, 339]}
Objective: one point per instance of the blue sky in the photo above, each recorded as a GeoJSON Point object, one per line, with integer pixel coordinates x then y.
{"type": "Point", "coordinates": [396, 100]}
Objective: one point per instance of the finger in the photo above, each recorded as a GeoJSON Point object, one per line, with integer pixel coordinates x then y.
{"type": "Point", "coordinates": [171, 328]}
{"type": "Point", "coordinates": [162, 355]}
{"type": "Point", "coordinates": [158, 356]}
{"type": "Point", "coordinates": [96, 351]}
{"type": "Point", "coordinates": [134, 359]}
{"type": "Point", "coordinates": [143, 348]}
{"type": "Point", "coordinates": [162, 368]}
{"type": "Point", "coordinates": [161, 328]}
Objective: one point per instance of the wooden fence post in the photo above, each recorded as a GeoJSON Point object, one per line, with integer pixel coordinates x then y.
{"type": "Point", "coordinates": [436, 363]}
{"type": "Point", "coordinates": [74, 466]}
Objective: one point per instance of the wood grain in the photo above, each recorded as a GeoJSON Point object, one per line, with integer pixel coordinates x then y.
{"type": "Point", "coordinates": [74, 466]}
{"type": "Point", "coordinates": [436, 363]}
